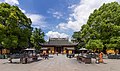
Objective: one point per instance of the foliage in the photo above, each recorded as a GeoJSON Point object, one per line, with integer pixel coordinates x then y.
{"type": "Point", "coordinates": [94, 44]}
{"type": "Point", "coordinates": [15, 27]}
{"type": "Point", "coordinates": [103, 27]}
{"type": "Point", "coordinates": [78, 39]}
{"type": "Point", "coordinates": [37, 37]}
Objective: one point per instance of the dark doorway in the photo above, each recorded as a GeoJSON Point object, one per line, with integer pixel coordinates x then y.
{"type": "Point", "coordinates": [59, 49]}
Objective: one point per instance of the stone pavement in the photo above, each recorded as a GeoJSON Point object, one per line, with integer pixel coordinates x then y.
{"type": "Point", "coordinates": [60, 63]}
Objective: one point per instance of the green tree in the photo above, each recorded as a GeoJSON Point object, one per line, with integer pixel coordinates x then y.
{"type": "Point", "coordinates": [37, 38]}
{"type": "Point", "coordinates": [15, 27]}
{"type": "Point", "coordinates": [77, 38]}
{"type": "Point", "coordinates": [94, 44]}
{"type": "Point", "coordinates": [103, 24]}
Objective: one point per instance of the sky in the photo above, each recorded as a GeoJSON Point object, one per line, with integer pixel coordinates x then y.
{"type": "Point", "coordinates": [58, 18]}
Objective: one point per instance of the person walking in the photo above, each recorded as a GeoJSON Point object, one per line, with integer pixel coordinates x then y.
{"type": "Point", "coordinates": [46, 55]}
{"type": "Point", "coordinates": [101, 57]}
{"type": "Point", "coordinates": [57, 53]}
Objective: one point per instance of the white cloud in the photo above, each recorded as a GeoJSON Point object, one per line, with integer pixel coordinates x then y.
{"type": "Point", "coordinates": [81, 13]}
{"type": "Point", "coordinates": [37, 20]}
{"type": "Point", "coordinates": [74, 25]}
{"type": "Point", "coordinates": [12, 2]}
{"type": "Point", "coordinates": [73, 6]}
{"type": "Point", "coordinates": [52, 34]}
{"type": "Point", "coordinates": [55, 14]}
{"type": "Point", "coordinates": [62, 26]}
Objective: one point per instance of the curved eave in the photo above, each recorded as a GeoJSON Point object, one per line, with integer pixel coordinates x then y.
{"type": "Point", "coordinates": [59, 45]}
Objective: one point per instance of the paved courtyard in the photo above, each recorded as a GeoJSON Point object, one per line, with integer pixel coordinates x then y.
{"type": "Point", "coordinates": [60, 63]}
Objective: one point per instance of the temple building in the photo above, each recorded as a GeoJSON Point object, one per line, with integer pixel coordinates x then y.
{"type": "Point", "coordinates": [60, 45]}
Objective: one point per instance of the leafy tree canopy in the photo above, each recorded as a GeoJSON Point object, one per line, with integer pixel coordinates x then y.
{"type": "Point", "coordinates": [37, 38]}
{"type": "Point", "coordinates": [103, 27]}
{"type": "Point", "coordinates": [94, 44]}
{"type": "Point", "coordinates": [15, 27]}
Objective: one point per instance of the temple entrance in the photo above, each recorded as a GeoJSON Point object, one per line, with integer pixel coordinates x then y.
{"type": "Point", "coordinates": [58, 45]}
{"type": "Point", "coordinates": [59, 49]}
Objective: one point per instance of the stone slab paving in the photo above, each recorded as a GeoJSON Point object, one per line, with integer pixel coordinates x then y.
{"type": "Point", "coordinates": [61, 63]}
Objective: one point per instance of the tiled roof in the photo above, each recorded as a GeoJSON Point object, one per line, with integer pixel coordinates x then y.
{"type": "Point", "coordinates": [70, 48]}
{"type": "Point", "coordinates": [59, 42]}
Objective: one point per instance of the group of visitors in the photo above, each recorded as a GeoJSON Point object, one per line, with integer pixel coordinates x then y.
{"type": "Point", "coordinates": [98, 56]}
{"type": "Point", "coordinates": [45, 55]}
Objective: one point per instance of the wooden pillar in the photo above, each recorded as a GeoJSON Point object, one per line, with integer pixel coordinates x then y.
{"type": "Point", "coordinates": [0, 51]}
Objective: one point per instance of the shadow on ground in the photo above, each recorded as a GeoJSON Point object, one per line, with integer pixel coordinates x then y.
{"type": "Point", "coordinates": [21, 63]}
